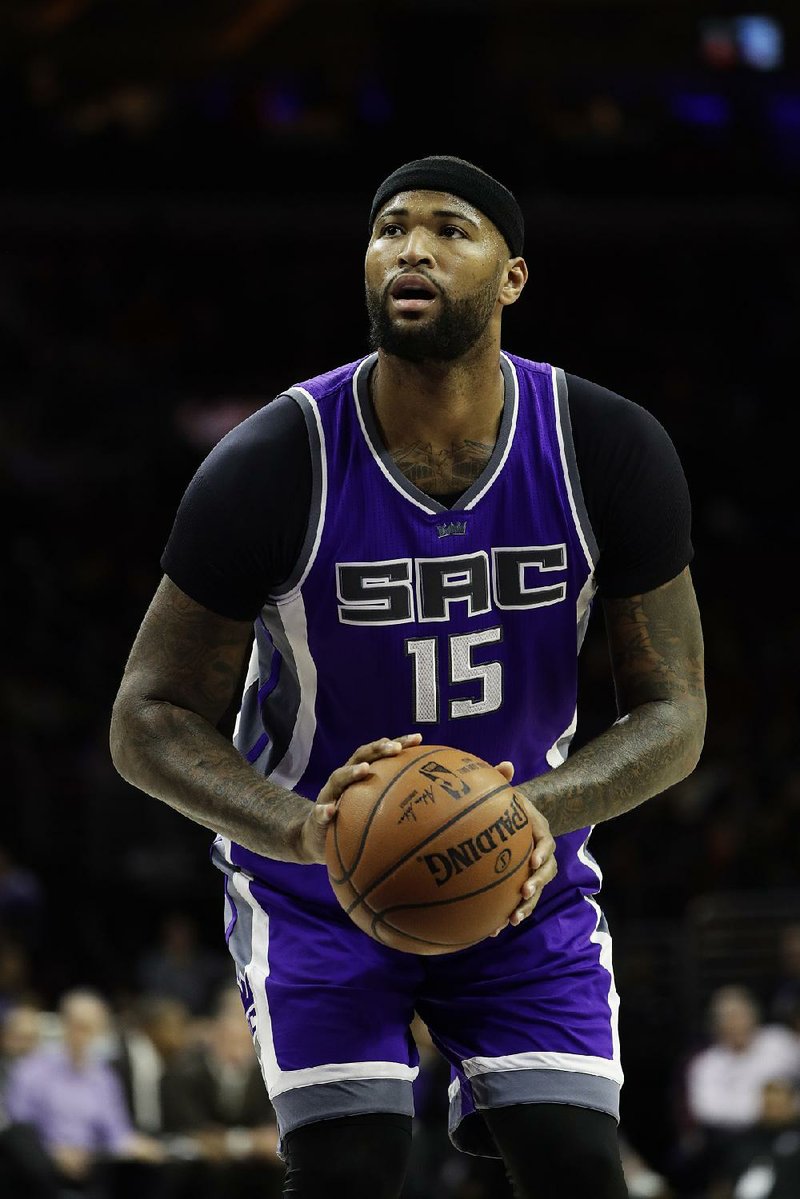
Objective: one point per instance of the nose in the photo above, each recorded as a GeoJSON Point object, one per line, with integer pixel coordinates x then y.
{"type": "Point", "coordinates": [416, 248]}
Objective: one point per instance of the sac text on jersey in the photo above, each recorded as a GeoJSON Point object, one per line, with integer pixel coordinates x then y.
{"type": "Point", "coordinates": [404, 590]}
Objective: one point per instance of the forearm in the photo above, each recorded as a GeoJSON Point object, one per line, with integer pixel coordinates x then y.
{"type": "Point", "coordinates": [654, 746]}
{"type": "Point", "coordinates": [178, 757]}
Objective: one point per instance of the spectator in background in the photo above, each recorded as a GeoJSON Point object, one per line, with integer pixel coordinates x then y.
{"type": "Point", "coordinates": [74, 1100]}
{"type": "Point", "coordinates": [20, 1034]}
{"type": "Point", "coordinates": [180, 968]}
{"type": "Point", "coordinates": [724, 1081]}
{"type": "Point", "coordinates": [213, 1097]}
{"type": "Point", "coordinates": [155, 1034]}
{"type": "Point", "coordinates": [764, 1161]}
{"type": "Point", "coordinates": [25, 1168]}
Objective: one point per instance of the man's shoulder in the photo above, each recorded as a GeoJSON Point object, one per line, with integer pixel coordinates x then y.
{"type": "Point", "coordinates": [45, 1061]}
{"type": "Point", "coordinates": [604, 412]}
{"type": "Point", "coordinates": [779, 1039]}
{"type": "Point", "coordinates": [710, 1057]}
{"type": "Point", "coordinates": [329, 382]}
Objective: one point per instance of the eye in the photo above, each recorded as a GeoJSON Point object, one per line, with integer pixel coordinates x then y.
{"type": "Point", "coordinates": [390, 229]}
{"type": "Point", "coordinates": [452, 232]}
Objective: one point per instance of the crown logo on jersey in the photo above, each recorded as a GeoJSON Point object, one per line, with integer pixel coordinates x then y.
{"type": "Point", "coordinates": [452, 529]}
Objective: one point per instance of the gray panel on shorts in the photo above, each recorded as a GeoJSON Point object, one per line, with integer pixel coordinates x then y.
{"type": "Point", "coordinates": [350, 1097]}
{"type": "Point", "coordinates": [501, 1088]}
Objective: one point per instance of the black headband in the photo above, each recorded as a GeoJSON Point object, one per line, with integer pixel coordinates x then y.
{"type": "Point", "coordinates": [441, 173]}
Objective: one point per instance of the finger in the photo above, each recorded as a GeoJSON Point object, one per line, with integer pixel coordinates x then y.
{"type": "Point", "coordinates": [545, 874]}
{"type": "Point", "coordinates": [384, 747]}
{"type": "Point", "coordinates": [407, 739]}
{"type": "Point", "coordinates": [506, 769]}
{"type": "Point", "coordinates": [343, 778]}
{"type": "Point", "coordinates": [324, 813]}
{"type": "Point", "coordinates": [523, 910]}
{"type": "Point", "coordinates": [543, 849]}
{"type": "Point", "coordinates": [497, 931]}
{"type": "Point", "coordinates": [532, 891]}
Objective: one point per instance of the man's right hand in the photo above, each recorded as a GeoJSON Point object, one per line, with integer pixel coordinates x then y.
{"type": "Point", "coordinates": [315, 828]}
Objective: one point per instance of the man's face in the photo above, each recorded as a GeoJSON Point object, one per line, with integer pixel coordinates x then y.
{"type": "Point", "coordinates": [434, 270]}
{"type": "Point", "coordinates": [735, 1020]}
{"type": "Point", "coordinates": [85, 1020]}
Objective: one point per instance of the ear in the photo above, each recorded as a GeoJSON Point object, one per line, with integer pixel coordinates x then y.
{"type": "Point", "coordinates": [514, 278]}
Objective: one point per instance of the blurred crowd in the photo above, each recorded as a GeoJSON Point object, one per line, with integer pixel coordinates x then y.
{"type": "Point", "coordinates": [158, 1092]}
{"type": "Point", "coordinates": [698, 98]}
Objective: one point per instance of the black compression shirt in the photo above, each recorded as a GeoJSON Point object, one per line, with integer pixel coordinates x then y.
{"type": "Point", "coordinates": [240, 526]}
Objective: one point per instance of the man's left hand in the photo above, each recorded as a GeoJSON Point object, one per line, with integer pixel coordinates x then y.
{"type": "Point", "coordinates": [543, 867]}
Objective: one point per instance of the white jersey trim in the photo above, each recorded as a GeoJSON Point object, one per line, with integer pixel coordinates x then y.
{"type": "Point", "coordinates": [509, 439]}
{"type": "Point", "coordinates": [557, 753]}
{"type": "Point", "coordinates": [292, 766]}
{"type": "Point", "coordinates": [565, 471]}
{"type": "Point", "coordinates": [284, 597]}
{"type": "Point", "coordinates": [387, 473]}
{"type": "Point", "coordinates": [253, 675]}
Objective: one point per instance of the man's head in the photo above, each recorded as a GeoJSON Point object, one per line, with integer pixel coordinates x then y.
{"type": "Point", "coordinates": [21, 1031]}
{"type": "Point", "coordinates": [734, 1017]}
{"type": "Point", "coordinates": [444, 258]}
{"type": "Point", "coordinates": [166, 1021]}
{"type": "Point", "coordinates": [85, 1019]}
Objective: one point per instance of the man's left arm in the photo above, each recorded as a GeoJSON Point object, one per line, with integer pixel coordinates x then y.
{"type": "Point", "coordinates": [656, 647]}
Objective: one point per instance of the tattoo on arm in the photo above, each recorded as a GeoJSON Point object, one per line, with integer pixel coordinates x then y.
{"type": "Point", "coordinates": [656, 651]}
{"type": "Point", "coordinates": [185, 668]}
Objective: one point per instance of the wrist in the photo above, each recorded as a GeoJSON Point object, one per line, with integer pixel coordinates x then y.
{"type": "Point", "coordinates": [307, 842]}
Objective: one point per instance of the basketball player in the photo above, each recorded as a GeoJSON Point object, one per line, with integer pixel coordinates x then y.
{"type": "Point", "coordinates": [417, 538]}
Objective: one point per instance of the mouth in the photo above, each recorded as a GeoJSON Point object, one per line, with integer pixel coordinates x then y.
{"type": "Point", "coordinates": [412, 293]}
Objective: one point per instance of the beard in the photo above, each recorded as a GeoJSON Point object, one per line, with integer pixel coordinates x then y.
{"type": "Point", "coordinates": [455, 329]}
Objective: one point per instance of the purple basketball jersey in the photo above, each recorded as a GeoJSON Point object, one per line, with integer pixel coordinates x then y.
{"type": "Point", "coordinates": [461, 623]}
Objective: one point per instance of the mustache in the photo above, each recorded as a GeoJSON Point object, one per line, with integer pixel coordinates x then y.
{"type": "Point", "coordinates": [391, 282]}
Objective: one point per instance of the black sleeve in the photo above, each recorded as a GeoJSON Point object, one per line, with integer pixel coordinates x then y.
{"type": "Point", "coordinates": [634, 489]}
{"type": "Point", "coordinates": [240, 526]}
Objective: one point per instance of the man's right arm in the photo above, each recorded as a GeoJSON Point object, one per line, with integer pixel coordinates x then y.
{"type": "Point", "coordinates": [183, 673]}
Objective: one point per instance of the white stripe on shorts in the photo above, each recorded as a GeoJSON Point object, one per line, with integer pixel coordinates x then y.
{"type": "Point", "coordinates": [574, 1063]}
{"type": "Point", "coordinates": [256, 971]}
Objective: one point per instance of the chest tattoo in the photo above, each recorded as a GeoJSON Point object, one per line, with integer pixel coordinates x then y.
{"type": "Point", "coordinates": [441, 471]}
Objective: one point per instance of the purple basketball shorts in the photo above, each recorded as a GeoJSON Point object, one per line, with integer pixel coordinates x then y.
{"type": "Point", "coordinates": [529, 1016]}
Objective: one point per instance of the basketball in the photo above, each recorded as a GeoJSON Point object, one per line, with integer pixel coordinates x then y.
{"type": "Point", "coordinates": [428, 854]}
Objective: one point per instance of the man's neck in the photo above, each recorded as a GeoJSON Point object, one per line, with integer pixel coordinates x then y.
{"type": "Point", "coordinates": [439, 422]}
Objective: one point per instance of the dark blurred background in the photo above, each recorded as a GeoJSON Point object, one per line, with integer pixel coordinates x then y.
{"type": "Point", "coordinates": [184, 190]}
